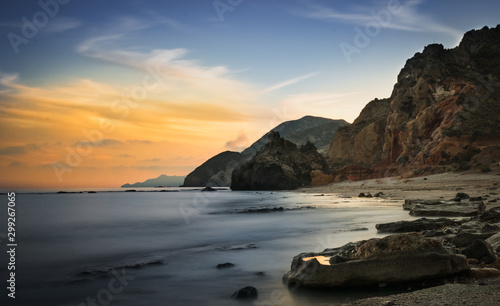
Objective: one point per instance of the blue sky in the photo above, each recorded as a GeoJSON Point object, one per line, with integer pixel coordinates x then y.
{"type": "Point", "coordinates": [230, 69]}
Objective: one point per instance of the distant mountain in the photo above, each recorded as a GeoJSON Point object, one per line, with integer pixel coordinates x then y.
{"type": "Point", "coordinates": [443, 115]}
{"type": "Point", "coordinates": [161, 181]}
{"type": "Point", "coordinates": [213, 172]}
{"type": "Point", "coordinates": [317, 130]}
{"type": "Point", "coordinates": [217, 170]}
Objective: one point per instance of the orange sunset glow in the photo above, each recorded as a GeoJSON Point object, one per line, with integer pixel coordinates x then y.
{"type": "Point", "coordinates": [101, 94]}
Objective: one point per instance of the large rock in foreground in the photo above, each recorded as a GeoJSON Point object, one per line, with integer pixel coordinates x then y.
{"type": "Point", "coordinates": [395, 259]}
{"type": "Point", "coordinates": [279, 165]}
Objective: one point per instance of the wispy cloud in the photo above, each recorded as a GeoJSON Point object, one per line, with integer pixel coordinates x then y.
{"type": "Point", "coordinates": [408, 17]}
{"type": "Point", "coordinates": [168, 21]}
{"type": "Point", "coordinates": [290, 82]}
{"type": "Point", "coordinates": [17, 164]}
{"type": "Point", "coordinates": [238, 144]}
{"type": "Point", "coordinates": [8, 79]}
{"type": "Point", "coordinates": [152, 160]}
{"type": "Point", "coordinates": [173, 65]}
{"type": "Point", "coordinates": [100, 143]}
{"type": "Point", "coordinates": [62, 24]}
{"type": "Point", "coordinates": [19, 150]}
{"type": "Point", "coordinates": [56, 25]}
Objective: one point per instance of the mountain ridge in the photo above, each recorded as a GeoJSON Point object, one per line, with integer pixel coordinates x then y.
{"type": "Point", "coordinates": [299, 131]}
{"type": "Point", "coordinates": [217, 171]}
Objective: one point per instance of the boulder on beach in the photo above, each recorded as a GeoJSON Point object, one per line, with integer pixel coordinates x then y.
{"type": "Point", "coordinates": [492, 215]}
{"type": "Point", "coordinates": [484, 273]}
{"type": "Point", "coordinates": [408, 204]}
{"type": "Point", "coordinates": [376, 261]}
{"type": "Point", "coordinates": [480, 250]}
{"type": "Point", "coordinates": [466, 238]}
{"type": "Point", "coordinates": [436, 208]}
{"type": "Point", "coordinates": [494, 241]}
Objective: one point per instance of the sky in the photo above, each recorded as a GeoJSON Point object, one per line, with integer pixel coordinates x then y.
{"type": "Point", "coordinates": [102, 93]}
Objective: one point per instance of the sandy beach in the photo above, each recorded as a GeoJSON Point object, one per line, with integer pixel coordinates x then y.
{"type": "Point", "coordinates": [444, 185]}
{"type": "Point", "coordinates": [438, 186]}
{"type": "Point", "coordinates": [485, 292]}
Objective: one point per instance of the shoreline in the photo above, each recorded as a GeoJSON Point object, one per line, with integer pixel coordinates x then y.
{"type": "Point", "coordinates": [438, 186]}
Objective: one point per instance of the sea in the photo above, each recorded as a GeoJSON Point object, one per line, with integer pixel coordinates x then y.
{"type": "Point", "coordinates": [162, 246]}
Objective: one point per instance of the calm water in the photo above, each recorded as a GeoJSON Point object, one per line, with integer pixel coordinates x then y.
{"type": "Point", "coordinates": [165, 246]}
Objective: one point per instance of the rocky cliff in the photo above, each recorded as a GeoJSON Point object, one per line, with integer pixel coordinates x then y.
{"type": "Point", "coordinates": [443, 114]}
{"type": "Point", "coordinates": [214, 172]}
{"type": "Point", "coordinates": [280, 165]}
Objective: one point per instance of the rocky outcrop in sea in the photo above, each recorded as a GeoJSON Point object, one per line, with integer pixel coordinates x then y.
{"type": "Point", "coordinates": [280, 165]}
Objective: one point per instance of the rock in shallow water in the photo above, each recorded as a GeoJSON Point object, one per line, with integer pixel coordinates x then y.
{"type": "Point", "coordinates": [208, 188]}
{"type": "Point", "coordinates": [225, 265]}
{"type": "Point", "coordinates": [247, 293]}
{"type": "Point", "coordinates": [394, 259]}
{"type": "Point", "coordinates": [279, 165]}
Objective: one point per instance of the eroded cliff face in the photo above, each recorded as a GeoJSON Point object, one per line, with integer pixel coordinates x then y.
{"type": "Point", "coordinates": [443, 114]}
{"type": "Point", "coordinates": [361, 142]}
